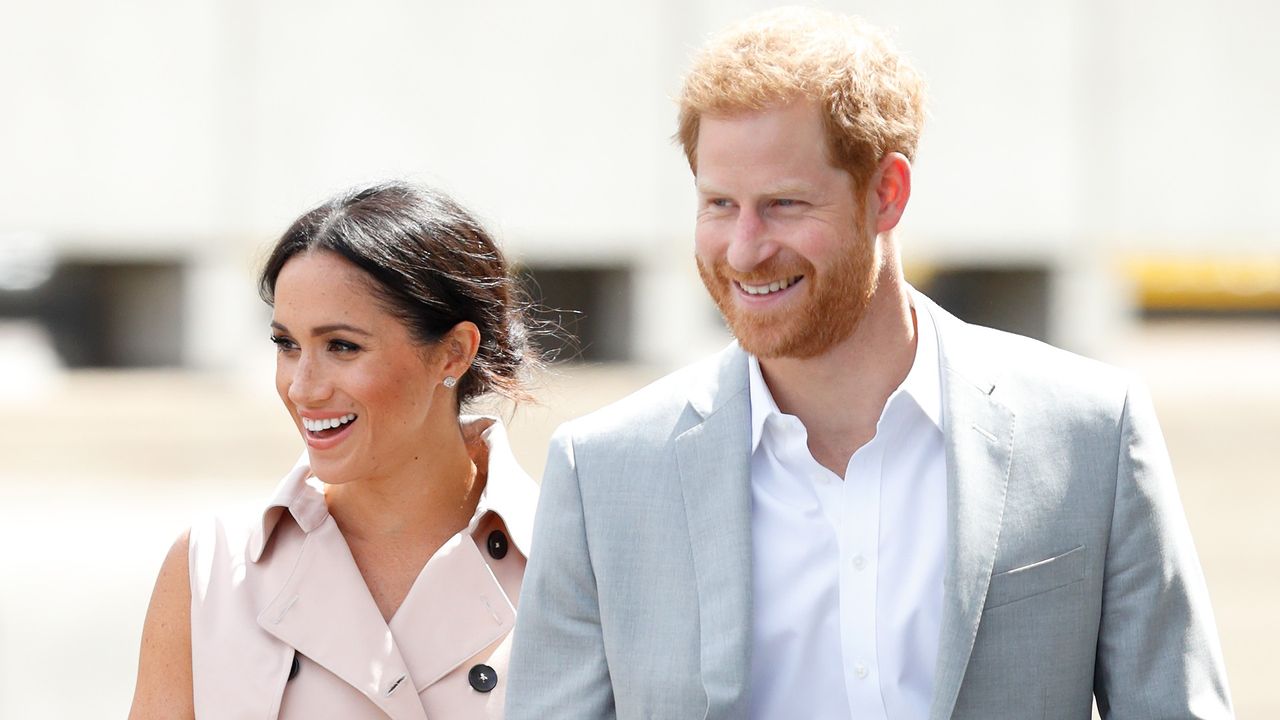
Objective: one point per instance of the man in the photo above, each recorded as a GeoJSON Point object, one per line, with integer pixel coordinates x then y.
{"type": "Point", "coordinates": [865, 507]}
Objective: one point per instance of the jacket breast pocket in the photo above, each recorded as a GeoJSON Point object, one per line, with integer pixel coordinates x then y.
{"type": "Point", "coordinates": [1036, 578]}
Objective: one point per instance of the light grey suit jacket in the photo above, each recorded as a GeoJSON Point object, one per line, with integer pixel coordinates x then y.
{"type": "Point", "coordinates": [1070, 569]}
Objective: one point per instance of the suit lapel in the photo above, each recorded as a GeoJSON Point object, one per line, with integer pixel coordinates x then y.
{"type": "Point", "coordinates": [714, 462]}
{"type": "Point", "coordinates": [715, 481]}
{"type": "Point", "coordinates": [979, 448]}
{"type": "Point", "coordinates": [325, 612]}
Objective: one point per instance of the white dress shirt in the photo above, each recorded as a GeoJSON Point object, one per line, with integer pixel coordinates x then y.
{"type": "Point", "coordinates": [847, 572]}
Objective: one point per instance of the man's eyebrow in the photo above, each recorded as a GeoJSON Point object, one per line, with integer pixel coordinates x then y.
{"type": "Point", "coordinates": [707, 189]}
{"type": "Point", "coordinates": [787, 187]}
{"type": "Point", "coordinates": [326, 329]}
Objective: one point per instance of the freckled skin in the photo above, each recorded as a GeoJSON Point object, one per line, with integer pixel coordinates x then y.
{"type": "Point", "coordinates": [377, 372]}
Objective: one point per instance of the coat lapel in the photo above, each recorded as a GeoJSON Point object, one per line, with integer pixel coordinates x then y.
{"type": "Point", "coordinates": [325, 612]}
{"type": "Point", "coordinates": [979, 450]}
{"type": "Point", "coordinates": [455, 609]}
{"type": "Point", "coordinates": [714, 462]}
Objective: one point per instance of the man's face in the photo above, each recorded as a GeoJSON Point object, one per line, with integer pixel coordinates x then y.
{"type": "Point", "coordinates": [781, 243]}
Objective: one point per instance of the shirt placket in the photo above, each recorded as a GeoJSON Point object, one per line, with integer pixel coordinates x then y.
{"type": "Point", "coordinates": [859, 538]}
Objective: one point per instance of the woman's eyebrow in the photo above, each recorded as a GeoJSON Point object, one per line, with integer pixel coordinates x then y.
{"type": "Point", "coordinates": [326, 329]}
{"type": "Point", "coordinates": [337, 327]}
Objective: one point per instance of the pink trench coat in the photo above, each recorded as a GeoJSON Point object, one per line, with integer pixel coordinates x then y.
{"type": "Point", "coordinates": [283, 625]}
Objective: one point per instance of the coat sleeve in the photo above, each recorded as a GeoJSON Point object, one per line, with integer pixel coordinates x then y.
{"type": "Point", "coordinates": [1158, 649]}
{"type": "Point", "coordinates": [558, 662]}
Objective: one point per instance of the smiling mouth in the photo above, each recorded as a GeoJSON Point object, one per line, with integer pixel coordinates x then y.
{"type": "Point", "coordinates": [768, 288]}
{"type": "Point", "coordinates": [327, 427]}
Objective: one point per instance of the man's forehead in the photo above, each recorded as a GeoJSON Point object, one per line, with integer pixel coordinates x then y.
{"type": "Point", "coordinates": [776, 135]}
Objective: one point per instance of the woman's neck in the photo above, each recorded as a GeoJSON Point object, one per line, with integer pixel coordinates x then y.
{"type": "Point", "coordinates": [426, 496]}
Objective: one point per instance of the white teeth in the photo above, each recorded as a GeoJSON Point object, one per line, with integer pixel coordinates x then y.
{"type": "Point", "coordinates": [772, 287]}
{"type": "Point", "coordinates": [326, 423]}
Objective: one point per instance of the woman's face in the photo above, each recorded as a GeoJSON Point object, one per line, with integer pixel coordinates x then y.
{"type": "Point", "coordinates": [363, 394]}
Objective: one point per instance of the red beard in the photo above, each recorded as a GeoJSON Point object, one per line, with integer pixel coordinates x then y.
{"type": "Point", "coordinates": [832, 305]}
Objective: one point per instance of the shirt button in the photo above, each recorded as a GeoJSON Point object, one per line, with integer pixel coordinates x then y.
{"type": "Point", "coordinates": [497, 544]}
{"type": "Point", "coordinates": [859, 562]}
{"type": "Point", "coordinates": [861, 671]}
{"type": "Point", "coordinates": [483, 678]}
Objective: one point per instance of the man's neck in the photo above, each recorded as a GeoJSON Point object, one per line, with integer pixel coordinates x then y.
{"type": "Point", "coordinates": [840, 395]}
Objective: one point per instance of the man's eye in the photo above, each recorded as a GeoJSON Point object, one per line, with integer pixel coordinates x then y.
{"type": "Point", "coordinates": [283, 343]}
{"type": "Point", "coordinates": [719, 202]}
{"type": "Point", "coordinates": [786, 202]}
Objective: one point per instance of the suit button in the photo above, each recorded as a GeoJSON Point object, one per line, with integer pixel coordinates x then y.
{"type": "Point", "coordinates": [483, 678]}
{"type": "Point", "coordinates": [498, 544]}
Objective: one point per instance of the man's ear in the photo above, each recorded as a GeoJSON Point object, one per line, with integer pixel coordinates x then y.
{"type": "Point", "coordinates": [891, 186]}
{"type": "Point", "coordinates": [458, 347]}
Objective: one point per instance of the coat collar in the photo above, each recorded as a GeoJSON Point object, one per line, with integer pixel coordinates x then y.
{"type": "Point", "coordinates": [320, 606]}
{"type": "Point", "coordinates": [317, 603]}
{"type": "Point", "coordinates": [509, 492]}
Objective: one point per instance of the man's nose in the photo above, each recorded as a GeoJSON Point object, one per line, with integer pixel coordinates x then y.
{"type": "Point", "coordinates": [749, 245]}
{"type": "Point", "coordinates": [310, 384]}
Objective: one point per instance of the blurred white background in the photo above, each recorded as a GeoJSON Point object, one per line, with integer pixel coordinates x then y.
{"type": "Point", "coordinates": [1101, 174]}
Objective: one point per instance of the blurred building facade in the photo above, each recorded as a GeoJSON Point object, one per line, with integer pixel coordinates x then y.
{"type": "Point", "coordinates": [1084, 160]}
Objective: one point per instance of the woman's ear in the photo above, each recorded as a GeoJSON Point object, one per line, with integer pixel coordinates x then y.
{"type": "Point", "coordinates": [458, 348]}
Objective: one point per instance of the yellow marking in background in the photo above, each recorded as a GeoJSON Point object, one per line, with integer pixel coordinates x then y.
{"type": "Point", "coordinates": [1206, 284]}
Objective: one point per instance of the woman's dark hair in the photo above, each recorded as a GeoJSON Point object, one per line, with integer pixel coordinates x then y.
{"type": "Point", "coordinates": [432, 265]}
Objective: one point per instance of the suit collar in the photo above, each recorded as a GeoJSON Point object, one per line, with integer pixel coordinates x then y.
{"type": "Point", "coordinates": [979, 438]}
{"type": "Point", "coordinates": [713, 458]}
{"type": "Point", "coordinates": [714, 462]}
{"type": "Point", "coordinates": [718, 380]}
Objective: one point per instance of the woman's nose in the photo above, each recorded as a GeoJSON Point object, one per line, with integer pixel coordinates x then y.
{"type": "Point", "coordinates": [309, 384]}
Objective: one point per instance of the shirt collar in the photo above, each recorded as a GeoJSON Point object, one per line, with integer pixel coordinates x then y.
{"type": "Point", "coordinates": [509, 492]}
{"type": "Point", "coordinates": [762, 404]}
{"type": "Point", "coordinates": [923, 383]}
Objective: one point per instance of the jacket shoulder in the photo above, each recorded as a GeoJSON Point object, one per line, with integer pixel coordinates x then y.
{"type": "Point", "coordinates": [1035, 378]}
{"type": "Point", "coordinates": [655, 412]}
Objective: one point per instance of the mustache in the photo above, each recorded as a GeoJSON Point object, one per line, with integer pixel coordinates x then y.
{"type": "Point", "coordinates": [775, 268]}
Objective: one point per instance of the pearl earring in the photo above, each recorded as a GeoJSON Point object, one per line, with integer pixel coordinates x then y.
{"type": "Point", "coordinates": [450, 381]}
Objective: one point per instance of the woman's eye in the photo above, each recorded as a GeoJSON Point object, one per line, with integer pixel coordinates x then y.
{"type": "Point", "coordinates": [342, 346]}
{"type": "Point", "coordinates": [283, 343]}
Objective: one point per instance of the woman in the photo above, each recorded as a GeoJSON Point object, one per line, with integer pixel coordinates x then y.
{"type": "Point", "coordinates": [382, 579]}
